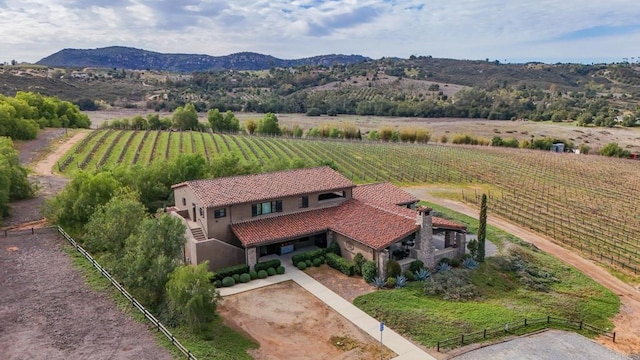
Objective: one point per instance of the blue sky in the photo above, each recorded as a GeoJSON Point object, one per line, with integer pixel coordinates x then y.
{"type": "Point", "coordinates": [512, 31]}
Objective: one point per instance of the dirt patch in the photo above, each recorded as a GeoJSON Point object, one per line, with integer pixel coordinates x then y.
{"type": "Point", "coordinates": [48, 312]}
{"type": "Point", "coordinates": [45, 167]}
{"type": "Point", "coordinates": [626, 323]}
{"type": "Point", "coordinates": [348, 287]}
{"type": "Point", "coordinates": [290, 323]}
{"type": "Point", "coordinates": [31, 150]}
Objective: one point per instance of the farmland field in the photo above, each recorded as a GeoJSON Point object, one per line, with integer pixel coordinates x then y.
{"type": "Point", "coordinates": [589, 203]}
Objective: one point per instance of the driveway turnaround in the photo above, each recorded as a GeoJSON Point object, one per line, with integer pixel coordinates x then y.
{"type": "Point", "coordinates": [405, 349]}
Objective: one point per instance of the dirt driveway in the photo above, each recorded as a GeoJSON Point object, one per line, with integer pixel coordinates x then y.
{"type": "Point", "coordinates": [627, 324]}
{"type": "Point", "coordinates": [290, 323]}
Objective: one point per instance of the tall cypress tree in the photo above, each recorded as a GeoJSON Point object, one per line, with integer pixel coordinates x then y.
{"type": "Point", "coordinates": [482, 228]}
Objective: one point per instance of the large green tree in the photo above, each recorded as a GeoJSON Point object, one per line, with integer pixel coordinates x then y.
{"type": "Point", "coordinates": [152, 252]}
{"type": "Point", "coordinates": [185, 118]}
{"type": "Point", "coordinates": [268, 125]}
{"type": "Point", "coordinates": [191, 296]}
{"type": "Point", "coordinates": [14, 184]}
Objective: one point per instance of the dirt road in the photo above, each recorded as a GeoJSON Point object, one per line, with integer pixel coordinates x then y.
{"type": "Point", "coordinates": [627, 324]}
{"type": "Point", "coordinates": [45, 167]}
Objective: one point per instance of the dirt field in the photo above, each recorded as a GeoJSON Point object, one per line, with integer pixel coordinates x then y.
{"type": "Point", "coordinates": [348, 287]}
{"type": "Point", "coordinates": [290, 323]}
{"type": "Point", "coordinates": [628, 138]}
{"type": "Point", "coordinates": [626, 323]}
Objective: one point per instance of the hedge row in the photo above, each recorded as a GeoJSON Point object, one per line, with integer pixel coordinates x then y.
{"type": "Point", "coordinates": [230, 271]}
{"type": "Point", "coordinates": [307, 255]}
{"type": "Point", "coordinates": [264, 265]}
{"type": "Point", "coordinates": [339, 263]}
{"type": "Point", "coordinates": [228, 281]}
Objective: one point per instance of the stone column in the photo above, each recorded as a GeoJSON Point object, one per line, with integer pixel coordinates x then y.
{"type": "Point", "coordinates": [252, 256]}
{"type": "Point", "coordinates": [424, 248]}
{"type": "Point", "coordinates": [461, 240]}
{"type": "Point", "coordinates": [383, 259]}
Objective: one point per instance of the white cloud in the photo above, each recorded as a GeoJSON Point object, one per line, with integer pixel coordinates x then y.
{"type": "Point", "coordinates": [497, 29]}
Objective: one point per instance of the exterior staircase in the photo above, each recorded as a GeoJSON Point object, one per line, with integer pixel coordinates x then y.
{"type": "Point", "coordinates": [198, 234]}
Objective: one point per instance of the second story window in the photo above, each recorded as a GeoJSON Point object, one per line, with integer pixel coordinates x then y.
{"type": "Point", "coordinates": [219, 213]}
{"type": "Point", "coordinates": [304, 202]}
{"type": "Point", "coordinates": [266, 208]}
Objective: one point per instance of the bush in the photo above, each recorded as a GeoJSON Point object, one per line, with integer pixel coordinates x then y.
{"type": "Point", "coordinates": [369, 271]}
{"type": "Point", "coordinates": [317, 262]}
{"type": "Point", "coordinates": [309, 263]}
{"type": "Point", "coordinates": [262, 274]}
{"type": "Point", "coordinates": [401, 282]}
{"type": "Point", "coordinates": [416, 266]}
{"type": "Point", "coordinates": [253, 274]}
{"type": "Point", "coordinates": [391, 282]}
{"type": "Point", "coordinates": [358, 260]}
{"type": "Point", "coordinates": [445, 261]}
{"type": "Point", "coordinates": [228, 281]}
{"type": "Point", "coordinates": [271, 271]}
{"type": "Point", "coordinates": [236, 278]}
{"type": "Point", "coordinates": [451, 286]}
{"type": "Point", "coordinates": [245, 278]}
{"type": "Point", "coordinates": [422, 274]}
{"type": "Point", "coordinates": [409, 275]}
{"type": "Point", "coordinates": [307, 255]}
{"type": "Point", "coordinates": [280, 270]}
{"type": "Point", "coordinates": [302, 265]}
{"type": "Point", "coordinates": [339, 263]}
{"type": "Point", "coordinates": [334, 248]}
{"type": "Point", "coordinates": [454, 262]}
{"type": "Point", "coordinates": [267, 264]}
{"type": "Point", "coordinates": [393, 268]}
{"type": "Point", "coordinates": [466, 256]}
{"type": "Point", "coordinates": [230, 271]}
{"type": "Point", "coordinates": [217, 284]}
{"type": "Point", "coordinates": [378, 282]}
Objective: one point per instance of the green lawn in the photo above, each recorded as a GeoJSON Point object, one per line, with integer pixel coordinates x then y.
{"type": "Point", "coordinates": [428, 319]}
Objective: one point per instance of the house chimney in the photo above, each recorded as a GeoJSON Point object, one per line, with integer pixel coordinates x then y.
{"type": "Point", "coordinates": [424, 249]}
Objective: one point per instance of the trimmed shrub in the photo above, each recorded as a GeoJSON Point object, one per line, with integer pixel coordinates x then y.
{"type": "Point", "coordinates": [264, 265]}
{"type": "Point", "coordinates": [416, 266]}
{"type": "Point", "coordinates": [339, 263]}
{"type": "Point", "coordinates": [280, 270]}
{"type": "Point", "coordinates": [393, 269]}
{"type": "Point", "coordinates": [369, 271]}
{"type": "Point", "coordinates": [236, 278]}
{"type": "Point", "coordinates": [409, 275]}
{"type": "Point", "coordinates": [228, 281]}
{"type": "Point", "coordinates": [454, 262]}
{"type": "Point", "coordinates": [230, 271]}
{"type": "Point", "coordinates": [317, 262]}
{"type": "Point", "coordinates": [245, 278]}
{"type": "Point", "coordinates": [302, 265]}
{"type": "Point", "coordinates": [391, 282]}
{"type": "Point", "coordinates": [307, 255]}
{"type": "Point", "coordinates": [262, 274]}
{"type": "Point", "coordinates": [217, 284]}
{"type": "Point", "coordinates": [445, 260]}
{"type": "Point", "coordinates": [309, 263]}
{"type": "Point", "coordinates": [334, 248]}
{"type": "Point", "coordinates": [271, 271]}
{"type": "Point", "coordinates": [358, 260]}
{"type": "Point", "coordinates": [253, 274]}
{"type": "Point", "coordinates": [466, 256]}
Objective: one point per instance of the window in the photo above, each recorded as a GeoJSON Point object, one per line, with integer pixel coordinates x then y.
{"type": "Point", "coordinates": [304, 202]}
{"type": "Point", "coordinates": [331, 195]}
{"type": "Point", "coordinates": [219, 213]}
{"type": "Point", "coordinates": [266, 208]}
{"type": "Point", "coordinates": [201, 212]}
{"type": "Point", "coordinates": [184, 202]}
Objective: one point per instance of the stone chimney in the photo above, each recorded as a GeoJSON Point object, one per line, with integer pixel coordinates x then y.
{"type": "Point", "coordinates": [424, 249]}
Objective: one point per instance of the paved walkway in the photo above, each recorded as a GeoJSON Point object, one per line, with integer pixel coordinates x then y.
{"type": "Point", "coordinates": [398, 344]}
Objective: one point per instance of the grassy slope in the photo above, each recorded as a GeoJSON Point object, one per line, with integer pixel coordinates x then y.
{"type": "Point", "coordinates": [429, 319]}
{"type": "Point", "coordinates": [220, 342]}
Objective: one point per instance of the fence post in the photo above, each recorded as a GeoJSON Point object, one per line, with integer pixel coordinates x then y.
{"type": "Point", "coordinates": [614, 336]}
{"type": "Point", "coordinates": [580, 324]}
{"type": "Point", "coordinates": [525, 322]}
{"type": "Point", "coordinates": [439, 345]}
{"type": "Point", "coordinates": [484, 333]}
{"type": "Point", "coordinates": [32, 231]}
{"type": "Point", "coordinates": [462, 339]}
{"type": "Point", "coordinates": [548, 319]}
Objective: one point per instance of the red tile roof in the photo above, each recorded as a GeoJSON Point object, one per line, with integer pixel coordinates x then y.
{"type": "Point", "coordinates": [362, 222]}
{"type": "Point", "coordinates": [233, 190]}
{"type": "Point", "coordinates": [383, 193]}
{"type": "Point", "coordinates": [439, 222]}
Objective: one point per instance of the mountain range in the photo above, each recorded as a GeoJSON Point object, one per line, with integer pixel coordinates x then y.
{"type": "Point", "coordinates": [138, 59]}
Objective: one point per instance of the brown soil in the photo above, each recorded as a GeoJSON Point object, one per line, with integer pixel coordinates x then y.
{"type": "Point", "coordinates": [290, 323]}
{"type": "Point", "coordinates": [46, 309]}
{"type": "Point", "coordinates": [626, 323]}
{"type": "Point", "coordinates": [348, 287]}
{"type": "Point", "coordinates": [45, 167]}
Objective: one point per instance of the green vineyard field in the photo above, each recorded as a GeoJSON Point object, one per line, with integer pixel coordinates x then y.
{"type": "Point", "coordinates": [588, 203]}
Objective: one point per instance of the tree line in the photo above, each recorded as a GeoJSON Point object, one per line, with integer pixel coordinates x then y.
{"type": "Point", "coordinates": [22, 116]}
{"type": "Point", "coordinates": [14, 184]}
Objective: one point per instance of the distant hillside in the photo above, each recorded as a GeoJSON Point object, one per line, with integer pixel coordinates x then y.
{"type": "Point", "coordinates": [137, 59]}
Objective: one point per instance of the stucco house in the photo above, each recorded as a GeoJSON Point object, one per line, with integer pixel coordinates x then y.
{"type": "Point", "coordinates": [241, 219]}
